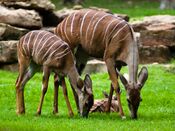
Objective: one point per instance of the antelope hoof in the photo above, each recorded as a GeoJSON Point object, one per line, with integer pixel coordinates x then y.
{"type": "Point", "coordinates": [123, 117]}
{"type": "Point", "coordinates": [71, 114]}
{"type": "Point", "coordinates": [55, 112]}
{"type": "Point", "coordinates": [38, 113]}
{"type": "Point", "coordinates": [20, 112]}
{"type": "Point", "coordinates": [107, 109]}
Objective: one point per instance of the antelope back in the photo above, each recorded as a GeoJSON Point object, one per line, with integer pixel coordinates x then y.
{"type": "Point", "coordinates": [93, 30]}
{"type": "Point", "coordinates": [44, 48]}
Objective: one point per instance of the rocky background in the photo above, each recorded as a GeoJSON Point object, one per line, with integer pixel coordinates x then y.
{"type": "Point", "coordinates": [155, 34]}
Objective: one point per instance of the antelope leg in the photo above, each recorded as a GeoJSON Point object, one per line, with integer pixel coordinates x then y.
{"type": "Point", "coordinates": [66, 98]}
{"type": "Point", "coordinates": [44, 88]}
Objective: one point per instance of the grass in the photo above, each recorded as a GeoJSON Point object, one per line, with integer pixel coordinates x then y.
{"type": "Point", "coordinates": [156, 112]}
{"type": "Point", "coordinates": [136, 9]}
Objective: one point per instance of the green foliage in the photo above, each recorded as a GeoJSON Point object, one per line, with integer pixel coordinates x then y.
{"type": "Point", "coordinates": [156, 111]}
{"type": "Point", "coordinates": [134, 8]}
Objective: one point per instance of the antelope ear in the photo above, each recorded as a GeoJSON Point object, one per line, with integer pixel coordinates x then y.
{"type": "Point", "coordinates": [88, 83]}
{"type": "Point", "coordinates": [123, 79]}
{"type": "Point", "coordinates": [142, 77]}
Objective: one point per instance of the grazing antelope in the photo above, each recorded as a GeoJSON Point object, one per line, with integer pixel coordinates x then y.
{"type": "Point", "coordinates": [102, 35]}
{"type": "Point", "coordinates": [42, 48]}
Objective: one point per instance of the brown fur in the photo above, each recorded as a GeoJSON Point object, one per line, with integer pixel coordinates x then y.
{"type": "Point", "coordinates": [41, 48]}
{"type": "Point", "coordinates": [98, 34]}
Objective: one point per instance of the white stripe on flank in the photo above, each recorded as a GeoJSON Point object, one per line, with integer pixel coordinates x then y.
{"type": "Point", "coordinates": [60, 53]}
{"type": "Point", "coordinates": [51, 48]}
{"type": "Point", "coordinates": [53, 57]}
{"type": "Point", "coordinates": [29, 41]}
{"type": "Point", "coordinates": [65, 31]}
{"type": "Point", "coordinates": [64, 54]}
{"type": "Point", "coordinates": [72, 24]}
{"type": "Point", "coordinates": [114, 29]}
{"type": "Point", "coordinates": [61, 29]}
{"type": "Point", "coordinates": [43, 45]}
{"type": "Point", "coordinates": [38, 43]}
{"type": "Point", "coordinates": [82, 22]}
{"type": "Point", "coordinates": [96, 27]}
{"type": "Point", "coordinates": [34, 43]}
{"type": "Point", "coordinates": [24, 43]}
{"type": "Point", "coordinates": [119, 31]}
{"type": "Point", "coordinates": [92, 18]}
{"type": "Point", "coordinates": [107, 29]}
{"type": "Point", "coordinates": [57, 50]}
{"type": "Point", "coordinates": [124, 37]}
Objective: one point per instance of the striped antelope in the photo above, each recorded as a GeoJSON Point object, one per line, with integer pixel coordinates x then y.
{"type": "Point", "coordinates": [102, 35]}
{"type": "Point", "coordinates": [42, 48]}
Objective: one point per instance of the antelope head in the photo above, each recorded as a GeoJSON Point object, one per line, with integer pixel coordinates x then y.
{"type": "Point", "coordinates": [86, 98]}
{"type": "Point", "coordinates": [133, 90]}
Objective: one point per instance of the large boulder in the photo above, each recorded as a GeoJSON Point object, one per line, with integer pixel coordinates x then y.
{"type": "Point", "coordinates": [156, 38]}
{"type": "Point", "coordinates": [8, 32]}
{"type": "Point", "coordinates": [159, 36]}
{"type": "Point", "coordinates": [9, 67]}
{"type": "Point", "coordinates": [154, 22]}
{"type": "Point", "coordinates": [95, 66]}
{"type": "Point", "coordinates": [8, 51]}
{"type": "Point", "coordinates": [40, 5]}
{"type": "Point", "coordinates": [152, 54]}
{"type": "Point", "coordinates": [156, 30]}
{"type": "Point", "coordinates": [20, 18]}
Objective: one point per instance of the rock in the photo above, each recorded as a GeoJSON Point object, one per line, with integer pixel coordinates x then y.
{"type": "Point", "coordinates": [20, 18]}
{"type": "Point", "coordinates": [159, 36]}
{"type": "Point", "coordinates": [8, 32]}
{"type": "Point", "coordinates": [9, 67]}
{"type": "Point", "coordinates": [39, 5]}
{"type": "Point", "coordinates": [8, 51]}
{"type": "Point", "coordinates": [77, 7]}
{"type": "Point", "coordinates": [153, 22]}
{"type": "Point", "coordinates": [50, 19]}
{"type": "Point", "coordinates": [156, 30]}
{"type": "Point", "coordinates": [152, 54]}
{"type": "Point", "coordinates": [95, 66]}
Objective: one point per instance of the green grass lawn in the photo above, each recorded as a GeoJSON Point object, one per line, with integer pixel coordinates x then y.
{"type": "Point", "coordinates": [156, 112]}
{"type": "Point", "coordinates": [135, 9]}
